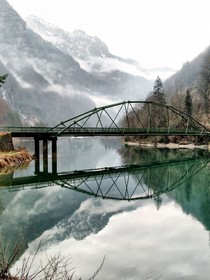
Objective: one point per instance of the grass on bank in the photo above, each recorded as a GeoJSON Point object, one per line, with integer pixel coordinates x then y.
{"type": "Point", "coordinates": [14, 158]}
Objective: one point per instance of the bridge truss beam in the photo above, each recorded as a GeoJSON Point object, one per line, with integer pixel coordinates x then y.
{"type": "Point", "coordinates": [132, 118]}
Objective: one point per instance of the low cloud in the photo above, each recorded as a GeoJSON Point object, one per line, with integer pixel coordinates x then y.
{"type": "Point", "coordinates": [129, 241]}
{"type": "Point", "coordinates": [99, 65]}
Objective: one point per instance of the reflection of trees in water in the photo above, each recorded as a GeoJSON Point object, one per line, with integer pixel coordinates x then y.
{"type": "Point", "coordinates": [74, 145]}
{"type": "Point", "coordinates": [165, 178]}
{"type": "Point", "coordinates": [139, 155]}
{"type": "Point", "coordinates": [192, 194]}
{"type": "Point", "coordinates": [194, 197]}
{"type": "Point", "coordinates": [188, 188]}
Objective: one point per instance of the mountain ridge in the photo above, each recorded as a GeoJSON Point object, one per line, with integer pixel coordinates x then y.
{"type": "Point", "coordinates": [92, 54]}
{"type": "Point", "coordinates": [47, 85]}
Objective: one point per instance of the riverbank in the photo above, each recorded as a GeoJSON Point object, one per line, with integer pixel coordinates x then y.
{"type": "Point", "coordinates": [167, 145]}
{"type": "Point", "coordinates": [10, 157]}
{"type": "Point", "coordinates": [14, 158]}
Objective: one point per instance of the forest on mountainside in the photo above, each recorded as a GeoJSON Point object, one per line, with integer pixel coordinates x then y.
{"type": "Point", "coordinates": [191, 85]}
{"type": "Point", "coordinates": [188, 91]}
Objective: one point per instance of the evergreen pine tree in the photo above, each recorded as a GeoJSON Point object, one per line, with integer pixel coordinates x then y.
{"type": "Point", "coordinates": [158, 92]}
{"type": "Point", "coordinates": [188, 103]}
{"type": "Point", "coordinates": [3, 79]}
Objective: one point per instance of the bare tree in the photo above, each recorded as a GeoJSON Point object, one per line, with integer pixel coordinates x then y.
{"type": "Point", "coordinates": [204, 82]}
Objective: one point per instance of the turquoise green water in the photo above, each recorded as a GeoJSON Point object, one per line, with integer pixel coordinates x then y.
{"type": "Point", "coordinates": [165, 236]}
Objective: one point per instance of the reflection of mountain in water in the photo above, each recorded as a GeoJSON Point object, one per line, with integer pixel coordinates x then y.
{"type": "Point", "coordinates": [83, 153]}
{"type": "Point", "coordinates": [92, 216]}
{"type": "Point", "coordinates": [54, 214]}
{"type": "Point", "coordinates": [28, 214]}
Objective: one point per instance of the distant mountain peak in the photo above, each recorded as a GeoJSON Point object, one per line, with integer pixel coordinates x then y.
{"type": "Point", "coordinates": [90, 52]}
{"type": "Point", "coordinates": [78, 44]}
{"type": "Point", "coordinates": [79, 32]}
{"type": "Point", "coordinates": [4, 5]}
{"type": "Point", "coordinates": [34, 21]}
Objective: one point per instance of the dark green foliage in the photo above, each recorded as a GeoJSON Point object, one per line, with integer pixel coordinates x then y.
{"type": "Point", "coordinates": [159, 96]}
{"type": "Point", "coordinates": [188, 103]}
{"type": "Point", "coordinates": [3, 79]}
{"type": "Point", "coordinates": [158, 91]}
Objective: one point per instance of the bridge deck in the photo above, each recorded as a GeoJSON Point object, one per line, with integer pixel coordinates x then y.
{"type": "Point", "coordinates": [48, 132]}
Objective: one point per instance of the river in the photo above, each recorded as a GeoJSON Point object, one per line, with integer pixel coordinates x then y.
{"type": "Point", "coordinates": [151, 223]}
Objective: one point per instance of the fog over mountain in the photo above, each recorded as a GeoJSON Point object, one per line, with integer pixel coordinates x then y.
{"type": "Point", "coordinates": [54, 74]}
{"type": "Point", "coordinates": [49, 82]}
{"type": "Point", "coordinates": [92, 54]}
{"type": "Point", "coordinates": [43, 83]}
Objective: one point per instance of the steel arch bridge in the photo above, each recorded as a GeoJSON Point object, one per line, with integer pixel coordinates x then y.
{"type": "Point", "coordinates": [141, 118]}
{"type": "Point", "coordinates": [131, 118]}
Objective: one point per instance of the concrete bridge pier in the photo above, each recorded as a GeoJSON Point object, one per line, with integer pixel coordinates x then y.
{"type": "Point", "coordinates": [45, 154]}
{"type": "Point", "coordinates": [54, 155]}
{"type": "Point", "coordinates": [37, 155]}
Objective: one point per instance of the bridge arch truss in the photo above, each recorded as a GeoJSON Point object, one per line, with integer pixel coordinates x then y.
{"type": "Point", "coordinates": [132, 118]}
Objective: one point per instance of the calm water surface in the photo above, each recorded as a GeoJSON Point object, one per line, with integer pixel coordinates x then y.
{"type": "Point", "coordinates": [162, 237]}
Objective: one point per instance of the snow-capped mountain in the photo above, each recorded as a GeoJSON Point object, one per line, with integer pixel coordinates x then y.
{"type": "Point", "coordinates": [90, 52]}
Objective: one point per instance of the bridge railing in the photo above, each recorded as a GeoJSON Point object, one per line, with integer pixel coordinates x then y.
{"type": "Point", "coordinates": [91, 131]}
{"type": "Point", "coordinates": [23, 129]}
{"type": "Point", "coordinates": [129, 131]}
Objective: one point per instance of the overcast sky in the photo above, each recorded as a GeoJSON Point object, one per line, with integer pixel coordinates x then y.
{"type": "Point", "coordinates": [156, 33]}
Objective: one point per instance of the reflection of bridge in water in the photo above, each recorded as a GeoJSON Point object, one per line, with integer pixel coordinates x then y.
{"type": "Point", "coordinates": [131, 182]}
